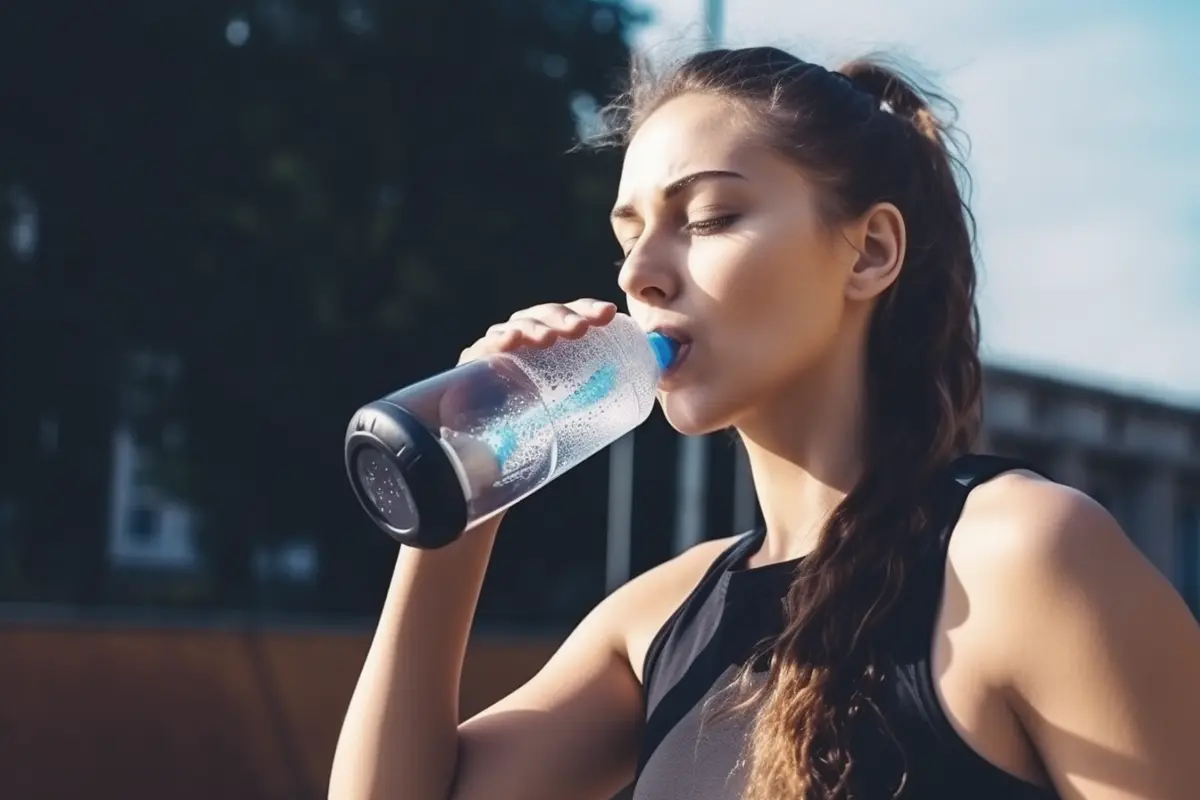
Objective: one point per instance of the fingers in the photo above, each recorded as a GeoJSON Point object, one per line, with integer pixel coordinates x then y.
{"type": "Point", "coordinates": [541, 326]}
{"type": "Point", "coordinates": [570, 319]}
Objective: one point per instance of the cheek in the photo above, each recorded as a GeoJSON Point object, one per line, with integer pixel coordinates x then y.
{"type": "Point", "coordinates": [777, 303]}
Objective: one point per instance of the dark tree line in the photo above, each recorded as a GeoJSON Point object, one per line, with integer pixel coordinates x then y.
{"type": "Point", "coordinates": [233, 223]}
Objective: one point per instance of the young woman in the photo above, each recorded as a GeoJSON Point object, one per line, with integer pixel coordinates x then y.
{"type": "Point", "coordinates": [913, 621]}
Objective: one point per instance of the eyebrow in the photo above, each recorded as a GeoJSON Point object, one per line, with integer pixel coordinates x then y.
{"type": "Point", "coordinates": [627, 211]}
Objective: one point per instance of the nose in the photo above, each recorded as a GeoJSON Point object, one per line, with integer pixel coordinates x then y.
{"type": "Point", "coordinates": [648, 279]}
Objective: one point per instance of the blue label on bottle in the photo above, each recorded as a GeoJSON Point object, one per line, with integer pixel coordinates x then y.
{"type": "Point", "coordinates": [505, 441]}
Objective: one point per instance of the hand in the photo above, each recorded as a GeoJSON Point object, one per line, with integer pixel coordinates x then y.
{"type": "Point", "coordinates": [537, 327]}
{"type": "Point", "coordinates": [541, 326]}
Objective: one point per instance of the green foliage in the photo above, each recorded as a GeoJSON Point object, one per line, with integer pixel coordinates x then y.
{"type": "Point", "coordinates": [324, 212]}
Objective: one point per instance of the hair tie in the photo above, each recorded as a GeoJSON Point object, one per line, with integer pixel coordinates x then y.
{"type": "Point", "coordinates": [884, 105]}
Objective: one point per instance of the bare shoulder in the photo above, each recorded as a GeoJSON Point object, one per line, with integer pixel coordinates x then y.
{"type": "Point", "coordinates": [1025, 522]}
{"type": "Point", "coordinates": [1024, 544]}
{"type": "Point", "coordinates": [1022, 527]}
{"type": "Point", "coordinates": [639, 609]}
{"type": "Point", "coordinates": [1093, 648]}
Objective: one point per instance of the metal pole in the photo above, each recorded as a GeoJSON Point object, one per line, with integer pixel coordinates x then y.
{"type": "Point", "coordinates": [714, 23]}
{"type": "Point", "coordinates": [620, 513]}
{"type": "Point", "coordinates": [693, 450]}
{"type": "Point", "coordinates": [690, 503]}
{"type": "Point", "coordinates": [745, 501]}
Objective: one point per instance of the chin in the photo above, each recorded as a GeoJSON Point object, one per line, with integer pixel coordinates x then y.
{"type": "Point", "coordinates": [693, 414]}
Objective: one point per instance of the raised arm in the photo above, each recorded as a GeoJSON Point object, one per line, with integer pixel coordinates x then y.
{"type": "Point", "coordinates": [571, 731]}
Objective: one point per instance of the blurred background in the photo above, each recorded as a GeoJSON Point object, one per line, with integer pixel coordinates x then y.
{"type": "Point", "coordinates": [224, 226]}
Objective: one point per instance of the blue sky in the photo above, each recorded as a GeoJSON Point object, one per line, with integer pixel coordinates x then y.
{"type": "Point", "coordinates": [1084, 120]}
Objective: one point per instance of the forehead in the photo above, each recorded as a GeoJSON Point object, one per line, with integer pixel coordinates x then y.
{"type": "Point", "coordinates": [687, 134]}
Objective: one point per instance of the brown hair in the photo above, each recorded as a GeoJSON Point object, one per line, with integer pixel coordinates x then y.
{"type": "Point", "coordinates": [866, 135]}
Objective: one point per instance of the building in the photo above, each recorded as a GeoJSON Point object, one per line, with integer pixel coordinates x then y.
{"type": "Point", "coordinates": [1138, 457]}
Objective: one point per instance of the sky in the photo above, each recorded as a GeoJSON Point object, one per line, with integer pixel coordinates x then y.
{"type": "Point", "coordinates": [1084, 123]}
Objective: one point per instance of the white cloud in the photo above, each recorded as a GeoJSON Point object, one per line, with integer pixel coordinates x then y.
{"type": "Point", "coordinates": [1083, 125]}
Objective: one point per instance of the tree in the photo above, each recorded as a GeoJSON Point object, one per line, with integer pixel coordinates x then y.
{"type": "Point", "coordinates": [307, 204]}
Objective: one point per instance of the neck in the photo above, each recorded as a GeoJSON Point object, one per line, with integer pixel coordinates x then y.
{"type": "Point", "coordinates": [805, 450]}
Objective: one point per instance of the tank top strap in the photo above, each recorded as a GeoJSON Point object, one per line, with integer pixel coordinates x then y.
{"type": "Point", "coordinates": [965, 473]}
{"type": "Point", "coordinates": [975, 468]}
{"type": "Point", "coordinates": [913, 626]}
{"type": "Point", "coordinates": [658, 667]}
{"type": "Point", "coordinates": [730, 557]}
{"type": "Point", "coordinates": [679, 657]}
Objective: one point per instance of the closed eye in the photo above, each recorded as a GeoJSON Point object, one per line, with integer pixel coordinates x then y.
{"type": "Point", "coordinates": [703, 227]}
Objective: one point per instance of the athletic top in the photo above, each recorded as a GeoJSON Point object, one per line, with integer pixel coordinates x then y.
{"type": "Point", "coordinates": [686, 755]}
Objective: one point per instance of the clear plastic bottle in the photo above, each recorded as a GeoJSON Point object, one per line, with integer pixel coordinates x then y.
{"type": "Point", "coordinates": [437, 457]}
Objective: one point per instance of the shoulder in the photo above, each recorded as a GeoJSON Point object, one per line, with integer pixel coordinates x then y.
{"type": "Point", "coordinates": [1093, 648]}
{"type": "Point", "coordinates": [572, 729]}
{"type": "Point", "coordinates": [637, 610]}
{"type": "Point", "coordinates": [1023, 522]}
{"type": "Point", "coordinates": [1025, 546]}
{"type": "Point", "coordinates": [1048, 538]}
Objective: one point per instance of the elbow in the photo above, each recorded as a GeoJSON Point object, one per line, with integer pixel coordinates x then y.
{"type": "Point", "coordinates": [393, 779]}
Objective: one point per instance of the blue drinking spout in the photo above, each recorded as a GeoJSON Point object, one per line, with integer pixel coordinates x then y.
{"type": "Point", "coordinates": [665, 349]}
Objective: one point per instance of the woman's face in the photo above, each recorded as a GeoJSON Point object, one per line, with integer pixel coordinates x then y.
{"type": "Point", "coordinates": [726, 250]}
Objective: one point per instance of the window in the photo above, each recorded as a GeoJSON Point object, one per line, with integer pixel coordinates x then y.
{"type": "Point", "coordinates": [143, 523]}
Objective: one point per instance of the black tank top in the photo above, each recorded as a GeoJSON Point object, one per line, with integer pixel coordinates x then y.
{"type": "Point", "coordinates": [687, 753]}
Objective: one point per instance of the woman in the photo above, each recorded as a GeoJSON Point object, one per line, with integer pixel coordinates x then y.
{"type": "Point", "coordinates": [912, 621]}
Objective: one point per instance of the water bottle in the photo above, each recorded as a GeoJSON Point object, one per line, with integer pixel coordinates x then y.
{"type": "Point", "coordinates": [432, 460]}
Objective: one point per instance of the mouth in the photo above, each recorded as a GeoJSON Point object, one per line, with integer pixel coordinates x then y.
{"type": "Point", "coordinates": [684, 342]}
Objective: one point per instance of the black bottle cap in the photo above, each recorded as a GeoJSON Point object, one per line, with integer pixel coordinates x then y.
{"type": "Point", "coordinates": [403, 477]}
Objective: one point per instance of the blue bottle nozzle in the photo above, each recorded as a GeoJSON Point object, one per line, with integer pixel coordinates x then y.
{"type": "Point", "coordinates": [665, 349]}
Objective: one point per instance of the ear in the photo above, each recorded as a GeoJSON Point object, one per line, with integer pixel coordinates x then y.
{"type": "Point", "coordinates": [879, 238]}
